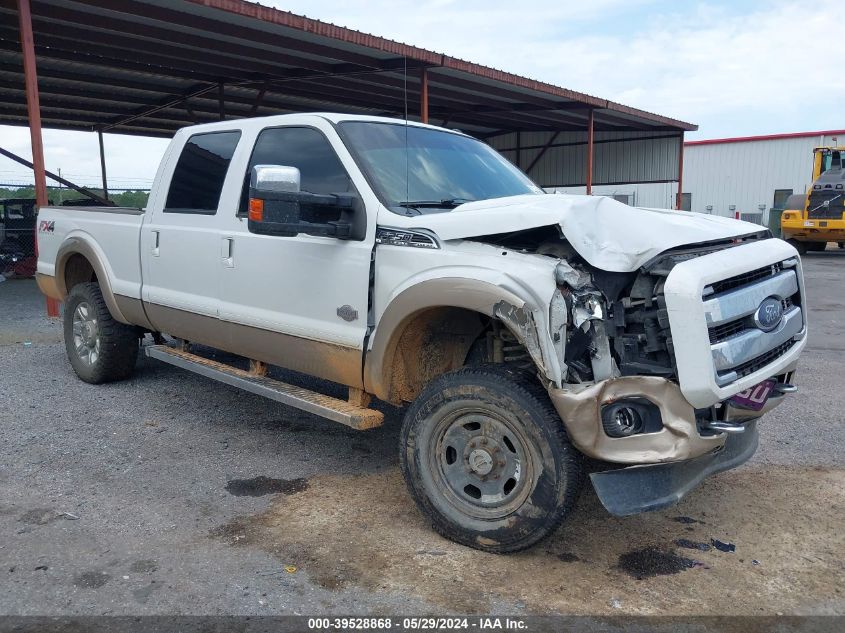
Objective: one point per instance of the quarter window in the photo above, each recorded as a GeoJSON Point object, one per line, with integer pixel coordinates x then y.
{"type": "Point", "coordinates": [198, 178]}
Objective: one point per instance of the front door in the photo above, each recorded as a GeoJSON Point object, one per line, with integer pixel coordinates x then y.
{"type": "Point", "coordinates": [300, 302]}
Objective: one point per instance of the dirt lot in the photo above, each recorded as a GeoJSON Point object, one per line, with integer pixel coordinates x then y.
{"type": "Point", "coordinates": [170, 493]}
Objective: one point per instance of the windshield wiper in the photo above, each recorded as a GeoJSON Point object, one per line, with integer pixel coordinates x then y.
{"type": "Point", "coordinates": [448, 203]}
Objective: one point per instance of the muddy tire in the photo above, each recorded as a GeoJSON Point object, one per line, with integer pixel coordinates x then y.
{"type": "Point", "coordinates": [801, 247]}
{"type": "Point", "coordinates": [99, 348]}
{"type": "Point", "coordinates": [486, 458]}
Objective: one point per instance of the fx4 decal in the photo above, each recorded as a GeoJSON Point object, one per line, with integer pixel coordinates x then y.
{"type": "Point", "coordinates": [46, 226]}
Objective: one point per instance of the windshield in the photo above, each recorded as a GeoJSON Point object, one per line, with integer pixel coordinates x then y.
{"type": "Point", "coordinates": [419, 168]}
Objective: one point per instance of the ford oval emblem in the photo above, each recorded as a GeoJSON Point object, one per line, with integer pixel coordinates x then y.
{"type": "Point", "coordinates": [769, 315]}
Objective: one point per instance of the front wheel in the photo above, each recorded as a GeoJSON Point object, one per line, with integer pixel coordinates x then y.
{"type": "Point", "coordinates": [99, 348]}
{"type": "Point", "coordinates": [487, 459]}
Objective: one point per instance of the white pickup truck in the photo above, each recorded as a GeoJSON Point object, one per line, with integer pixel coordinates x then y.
{"type": "Point", "coordinates": [415, 265]}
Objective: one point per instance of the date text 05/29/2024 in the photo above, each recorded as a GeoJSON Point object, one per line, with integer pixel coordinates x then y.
{"type": "Point", "coordinates": [417, 624]}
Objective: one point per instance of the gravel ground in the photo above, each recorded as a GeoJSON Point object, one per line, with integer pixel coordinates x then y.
{"type": "Point", "coordinates": [136, 498]}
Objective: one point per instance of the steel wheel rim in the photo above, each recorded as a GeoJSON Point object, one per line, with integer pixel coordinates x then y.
{"type": "Point", "coordinates": [483, 461]}
{"type": "Point", "coordinates": [86, 334]}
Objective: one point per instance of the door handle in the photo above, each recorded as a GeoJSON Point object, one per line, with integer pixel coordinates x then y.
{"type": "Point", "coordinates": [154, 249]}
{"type": "Point", "coordinates": [227, 247]}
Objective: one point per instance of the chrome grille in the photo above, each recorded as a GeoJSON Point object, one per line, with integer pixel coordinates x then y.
{"type": "Point", "coordinates": [764, 359]}
{"type": "Point", "coordinates": [723, 332]}
{"type": "Point", "coordinates": [746, 278]}
{"type": "Point", "coordinates": [740, 347]}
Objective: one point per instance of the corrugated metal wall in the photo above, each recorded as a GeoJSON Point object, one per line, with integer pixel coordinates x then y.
{"type": "Point", "coordinates": [718, 175]}
{"type": "Point", "coordinates": [620, 157]}
{"type": "Point", "coordinates": [747, 174]}
{"type": "Point", "coordinates": [660, 195]}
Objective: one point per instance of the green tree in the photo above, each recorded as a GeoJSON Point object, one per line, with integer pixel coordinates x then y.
{"type": "Point", "coordinates": [134, 198]}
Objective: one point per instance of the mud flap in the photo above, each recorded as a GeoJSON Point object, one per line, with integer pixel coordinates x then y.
{"type": "Point", "coordinates": [656, 486]}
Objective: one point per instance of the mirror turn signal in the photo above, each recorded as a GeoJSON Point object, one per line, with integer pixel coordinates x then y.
{"type": "Point", "coordinates": [256, 209]}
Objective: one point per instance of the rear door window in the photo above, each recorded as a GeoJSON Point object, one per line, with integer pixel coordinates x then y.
{"type": "Point", "coordinates": [199, 175]}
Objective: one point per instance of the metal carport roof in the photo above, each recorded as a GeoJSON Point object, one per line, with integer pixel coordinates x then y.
{"type": "Point", "coordinates": [150, 67]}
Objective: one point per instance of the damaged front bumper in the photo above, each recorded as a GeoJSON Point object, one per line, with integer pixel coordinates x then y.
{"type": "Point", "coordinates": [656, 486]}
{"type": "Point", "coordinates": [665, 465]}
{"type": "Point", "coordinates": [680, 435]}
{"type": "Point", "coordinates": [580, 407]}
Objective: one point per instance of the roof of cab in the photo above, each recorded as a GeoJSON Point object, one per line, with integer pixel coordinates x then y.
{"type": "Point", "coordinates": [282, 119]}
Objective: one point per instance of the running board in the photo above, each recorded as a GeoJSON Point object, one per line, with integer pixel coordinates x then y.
{"type": "Point", "coordinates": [359, 418]}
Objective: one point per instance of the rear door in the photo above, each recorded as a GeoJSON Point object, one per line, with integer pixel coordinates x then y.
{"type": "Point", "coordinates": [180, 242]}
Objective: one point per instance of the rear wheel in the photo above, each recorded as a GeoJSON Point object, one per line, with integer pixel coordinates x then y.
{"type": "Point", "coordinates": [99, 348]}
{"type": "Point", "coordinates": [801, 247]}
{"type": "Point", "coordinates": [486, 457]}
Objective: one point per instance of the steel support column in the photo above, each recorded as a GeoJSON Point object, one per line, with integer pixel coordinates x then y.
{"type": "Point", "coordinates": [32, 102]}
{"type": "Point", "coordinates": [590, 138]}
{"type": "Point", "coordinates": [33, 107]}
{"type": "Point", "coordinates": [103, 166]}
{"type": "Point", "coordinates": [424, 95]}
{"type": "Point", "coordinates": [680, 196]}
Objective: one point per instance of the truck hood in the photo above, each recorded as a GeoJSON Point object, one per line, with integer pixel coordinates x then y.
{"type": "Point", "coordinates": [608, 234]}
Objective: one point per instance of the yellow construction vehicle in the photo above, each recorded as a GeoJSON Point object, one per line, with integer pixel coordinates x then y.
{"type": "Point", "coordinates": [811, 220]}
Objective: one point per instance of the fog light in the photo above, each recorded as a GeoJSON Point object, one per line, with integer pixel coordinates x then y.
{"type": "Point", "coordinates": [621, 420]}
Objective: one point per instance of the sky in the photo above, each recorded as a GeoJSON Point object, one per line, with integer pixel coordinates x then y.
{"type": "Point", "coordinates": [734, 67]}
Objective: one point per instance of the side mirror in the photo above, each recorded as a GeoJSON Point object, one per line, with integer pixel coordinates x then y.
{"type": "Point", "coordinates": [278, 207]}
{"type": "Point", "coordinates": [274, 178]}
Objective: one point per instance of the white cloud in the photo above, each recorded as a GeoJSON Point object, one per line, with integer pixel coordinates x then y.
{"type": "Point", "coordinates": [131, 161]}
{"type": "Point", "coordinates": [732, 71]}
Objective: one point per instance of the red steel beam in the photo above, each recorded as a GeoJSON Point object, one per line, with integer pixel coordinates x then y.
{"type": "Point", "coordinates": [590, 135]}
{"type": "Point", "coordinates": [680, 172]}
{"type": "Point", "coordinates": [34, 117]}
{"type": "Point", "coordinates": [32, 103]}
{"type": "Point", "coordinates": [424, 94]}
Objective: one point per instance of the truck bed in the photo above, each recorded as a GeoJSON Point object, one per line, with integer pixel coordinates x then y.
{"type": "Point", "coordinates": [116, 229]}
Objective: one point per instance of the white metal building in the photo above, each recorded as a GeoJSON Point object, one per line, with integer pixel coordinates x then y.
{"type": "Point", "coordinates": [746, 175]}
